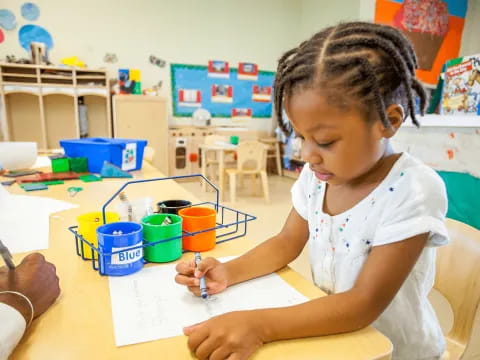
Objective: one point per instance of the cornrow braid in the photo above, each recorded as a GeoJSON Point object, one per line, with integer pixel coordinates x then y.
{"type": "Point", "coordinates": [372, 63]}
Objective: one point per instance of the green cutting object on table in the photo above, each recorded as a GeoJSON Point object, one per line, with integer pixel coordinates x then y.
{"type": "Point", "coordinates": [72, 190]}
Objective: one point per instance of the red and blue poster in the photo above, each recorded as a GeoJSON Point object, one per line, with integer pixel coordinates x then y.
{"type": "Point", "coordinates": [433, 26]}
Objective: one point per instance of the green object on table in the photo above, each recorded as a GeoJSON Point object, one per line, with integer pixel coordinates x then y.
{"type": "Point", "coordinates": [52, 182]}
{"type": "Point", "coordinates": [79, 164]}
{"type": "Point", "coordinates": [72, 190]}
{"type": "Point", "coordinates": [90, 178]}
{"type": "Point", "coordinates": [60, 165]}
{"type": "Point", "coordinates": [155, 228]}
{"type": "Point", "coordinates": [234, 140]}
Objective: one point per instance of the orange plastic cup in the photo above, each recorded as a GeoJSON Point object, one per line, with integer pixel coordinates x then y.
{"type": "Point", "coordinates": [196, 219]}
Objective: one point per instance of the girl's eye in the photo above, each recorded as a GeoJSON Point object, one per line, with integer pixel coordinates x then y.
{"type": "Point", "coordinates": [326, 145]}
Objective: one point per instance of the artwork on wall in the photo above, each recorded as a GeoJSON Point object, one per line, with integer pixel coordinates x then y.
{"type": "Point", "coordinates": [7, 19]}
{"type": "Point", "coordinates": [190, 97]}
{"type": "Point", "coordinates": [30, 11]}
{"type": "Point", "coordinates": [221, 95]}
{"type": "Point", "coordinates": [247, 71]}
{"type": "Point", "coordinates": [2, 36]}
{"type": "Point", "coordinates": [262, 93]}
{"type": "Point", "coordinates": [34, 33]}
{"type": "Point", "coordinates": [433, 26]}
{"type": "Point", "coordinates": [110, 58]}
{"type": "Point", "coordinates": [154, 60]}
{"type": "Point", "coordinates": [218, 69]}
{"type": "Point", "coordinates": [241, 113]}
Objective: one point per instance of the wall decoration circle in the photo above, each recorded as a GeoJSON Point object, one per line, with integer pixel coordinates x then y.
{"type": "Point", "coordinates": [30, 33]}
{"type": "Point", "coordinates": [7, 19]}
{"type": "Point", "coordinates": [30, 11]}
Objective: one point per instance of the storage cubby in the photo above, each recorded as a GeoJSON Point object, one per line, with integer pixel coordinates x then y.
{"type": "Point", "coordinates": [41, 103]}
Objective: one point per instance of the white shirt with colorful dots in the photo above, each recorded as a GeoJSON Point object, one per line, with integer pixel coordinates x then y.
{"type": "Point", "coordinates": [411, 200]}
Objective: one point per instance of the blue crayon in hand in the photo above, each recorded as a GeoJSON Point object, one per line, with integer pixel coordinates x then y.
{"type": "Point", "coordinates": [203, 284]}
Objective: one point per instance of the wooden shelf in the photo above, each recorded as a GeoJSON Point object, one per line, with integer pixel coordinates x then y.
{"type": "Point", "coordinates": [49, 97]}
{"type": "Point", "coordinates": [65, 77]}
{"type": "Point", "coordinates": [19, 75]}
{"type": "Point", "coordinates": [90, 77]}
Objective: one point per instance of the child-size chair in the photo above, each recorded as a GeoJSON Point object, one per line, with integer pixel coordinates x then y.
{"type": "Point", "coordinates": [458, 279]}
{"type": "Point", "coordinates": [251, 160]}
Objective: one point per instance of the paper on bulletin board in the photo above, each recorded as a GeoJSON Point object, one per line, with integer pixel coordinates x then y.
{"type": "Point", "coordinates": [150, 305]}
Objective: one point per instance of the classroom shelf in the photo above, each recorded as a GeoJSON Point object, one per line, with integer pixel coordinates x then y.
{"type": "Point", "coordinates": [53, 111]}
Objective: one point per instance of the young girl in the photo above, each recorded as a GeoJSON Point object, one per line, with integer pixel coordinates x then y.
{"type": "Point", "coordinates": [371, 217]}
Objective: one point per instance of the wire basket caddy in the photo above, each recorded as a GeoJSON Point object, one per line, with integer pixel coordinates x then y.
{"type": "Point", "coordinates": [230, 224]}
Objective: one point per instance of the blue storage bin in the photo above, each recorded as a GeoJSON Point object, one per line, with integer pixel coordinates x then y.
{"type": "Point", "coordinates": [127, 154]}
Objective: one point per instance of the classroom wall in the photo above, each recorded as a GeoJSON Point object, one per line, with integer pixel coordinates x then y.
{"type": "Point", "coordinates": [180, 31]}
{"type": "Point", "coordinates": [470, 40]}
{"type": "Point", "coordinates": [314, 14]}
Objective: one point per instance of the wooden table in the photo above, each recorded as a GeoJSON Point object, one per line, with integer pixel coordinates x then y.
{"type": "Point", "coordinates": [220, 150]}
{"type": "Point", "coordinates": [79, 325]}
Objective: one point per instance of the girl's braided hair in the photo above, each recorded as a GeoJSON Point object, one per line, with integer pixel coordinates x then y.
{"type": "Point", "coordinates": [370, 63]}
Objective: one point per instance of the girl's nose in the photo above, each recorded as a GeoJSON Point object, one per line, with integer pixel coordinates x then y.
{"type": "Point", "coordinates": [310, 152]}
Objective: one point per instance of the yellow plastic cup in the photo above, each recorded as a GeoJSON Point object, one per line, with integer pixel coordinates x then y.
{"type": "Point", "coordinates": [87, 227]}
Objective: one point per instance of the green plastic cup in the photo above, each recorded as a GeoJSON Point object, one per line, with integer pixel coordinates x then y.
{"type": "Point", "coordinates": [153, 230]}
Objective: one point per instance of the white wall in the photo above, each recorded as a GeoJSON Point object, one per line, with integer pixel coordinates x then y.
{"type": "Point", "coordinates": [192, 31]}
{"type": "Point", "coordinates": [317, 14]}
{"type": "Point", "coordinates": [470, 38]}
{"type": "Point", "coordinates": [183, 31]}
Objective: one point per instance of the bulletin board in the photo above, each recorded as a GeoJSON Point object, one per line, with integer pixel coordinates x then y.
{"type": "Point", "coordinates": [195, 77]}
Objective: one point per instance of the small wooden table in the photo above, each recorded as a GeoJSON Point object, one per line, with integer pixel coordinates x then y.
{"type": "Point", "coordinates": [79, 325]}
{"type": "Point", "coordinates": [220, 150]}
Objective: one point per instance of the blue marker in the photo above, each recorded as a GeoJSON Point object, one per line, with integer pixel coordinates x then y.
{"type": "Point", "coordinates": [203, 284]}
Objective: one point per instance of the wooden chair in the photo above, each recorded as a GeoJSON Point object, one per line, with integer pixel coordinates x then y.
{"type": "Point", "coordinates": [251, 160]}
{"type": "Point", "coordinates": [458, 279]}
{"type": "Point", "coordinates": [274, 152]}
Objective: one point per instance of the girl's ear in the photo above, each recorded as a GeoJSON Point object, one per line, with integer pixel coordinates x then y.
{"type": "Point", "coordinates": [395, 115]}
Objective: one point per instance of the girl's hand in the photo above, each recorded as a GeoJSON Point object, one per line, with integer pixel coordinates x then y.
{"type": "Point", "coordinates": [232, 336]}
{"type": "Point", "coordinates": [214, 271]}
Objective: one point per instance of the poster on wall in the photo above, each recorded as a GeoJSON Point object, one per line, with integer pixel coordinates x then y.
{"type": "Point", "coordinates": [262, 93]}
{"type": "Point", "coordinates": [461, 88]}
{"type": "Point", "coordinates": [241, 113]}
{"type": "Point", "coordinates": [433, 26]}
{"type": "Point", "coordinates": [190, 97]}
{"type": "Point", "coordinates": [222, 93]}
{"type": "Point", "coordinates": [247, 71]}
{"type": "Point", "coordinates": [218, 69]}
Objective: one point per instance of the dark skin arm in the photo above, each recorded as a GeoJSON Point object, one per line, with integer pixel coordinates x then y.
{"type": "Point", "coordinates": [35, 278]}
{"type": "Point", "coordinates": [237, 335]}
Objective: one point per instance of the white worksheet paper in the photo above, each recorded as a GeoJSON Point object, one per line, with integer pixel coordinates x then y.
{"type": "Point", "coordinates": [149, 305]}
{"type": "Point", "coordinates": [24, 220]}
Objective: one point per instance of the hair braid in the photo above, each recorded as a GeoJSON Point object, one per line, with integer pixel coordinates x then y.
{"type": "Point", "coordinates": [366, 61]}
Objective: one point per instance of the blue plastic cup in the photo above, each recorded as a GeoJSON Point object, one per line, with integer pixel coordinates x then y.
{"type": "Point", "coordinates": [124, 237]}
